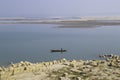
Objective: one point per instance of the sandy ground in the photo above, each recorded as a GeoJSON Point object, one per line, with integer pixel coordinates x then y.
{"type": "Point", "coordinates": [38, 75]}
{"type": "Point", "coordinates": [106, 69]}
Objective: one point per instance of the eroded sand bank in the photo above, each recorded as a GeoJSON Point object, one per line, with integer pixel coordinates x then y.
{"type": "Point", "coordinates": [106, 69]}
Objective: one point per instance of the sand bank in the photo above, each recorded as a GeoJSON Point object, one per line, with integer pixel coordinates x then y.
{"type": "Point", "coordinates": [83, 22]}
{"type": "Point", "coordinates": [106, 69]}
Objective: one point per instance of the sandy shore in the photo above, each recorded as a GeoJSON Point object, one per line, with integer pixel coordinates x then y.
{"type": "Point", "coordinates": [81, 22]}
{"type": "Point", "coordinates": [106, 69]}
{"type": "Point", "coordinates": [69, 24]}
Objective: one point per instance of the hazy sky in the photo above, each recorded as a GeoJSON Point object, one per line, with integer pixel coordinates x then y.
{"type": "Point", "coordinates": [39, 8]}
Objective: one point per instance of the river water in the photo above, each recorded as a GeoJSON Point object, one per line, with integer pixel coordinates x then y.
{"type": "Point", "coordinates": [34, 42]}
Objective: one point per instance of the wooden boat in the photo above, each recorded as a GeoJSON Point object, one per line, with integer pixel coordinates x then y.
{"type": "Point", "coordinates": [61, 50]}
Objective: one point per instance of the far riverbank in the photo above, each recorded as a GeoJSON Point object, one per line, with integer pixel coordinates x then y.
{"type": "Point", "coordinates": [79, 22]}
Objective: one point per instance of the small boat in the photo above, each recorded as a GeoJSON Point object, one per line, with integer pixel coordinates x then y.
{"type": "Point", "coordinates": [61, 50]}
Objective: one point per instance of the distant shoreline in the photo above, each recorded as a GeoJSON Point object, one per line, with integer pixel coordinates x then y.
{"type": "Point", "coordinates": [69, 23]}
{"type": "Point", "coordinates": [81, 22]}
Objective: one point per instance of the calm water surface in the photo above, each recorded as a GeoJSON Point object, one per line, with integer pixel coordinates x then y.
{"type": "Point", "coordinates": [33, 42]}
